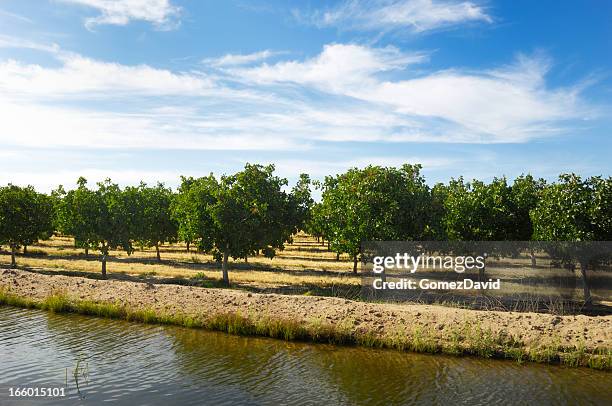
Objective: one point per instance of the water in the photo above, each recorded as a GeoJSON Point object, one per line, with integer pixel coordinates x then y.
{"type": "Point", "coordinates": [137, 364]}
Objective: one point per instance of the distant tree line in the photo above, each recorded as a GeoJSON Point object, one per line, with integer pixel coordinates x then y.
{"type": "Point", "coordinates": [252, 212]}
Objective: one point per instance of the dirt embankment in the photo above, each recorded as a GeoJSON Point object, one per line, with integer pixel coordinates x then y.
{"type": "Point", "coordinates": [439, 323]}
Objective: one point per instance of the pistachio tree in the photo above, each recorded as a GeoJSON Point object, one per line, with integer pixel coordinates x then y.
{"type": "Point", "coordinates": [191, 210]}
{"type": "Point", "coordinates": [100, 219]}
{"type": "Point", "coordinates": [154, 224]}
{"type": "Point", "coordinates": [576, 210]}
{"type": "Point", "coordinates": [77, 212]}
{"type": "Point", "coordinates": [251, 212]}
{"type": "Point", "coordinates": [25, 217]}
{"type": "Point", "coordinates": [374, 203]}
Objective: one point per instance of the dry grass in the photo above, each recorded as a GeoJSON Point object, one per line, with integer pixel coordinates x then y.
{"type": "Point", "coordinates": [303, 263]}
{"type": "Point", "coordinates": [303, 267]}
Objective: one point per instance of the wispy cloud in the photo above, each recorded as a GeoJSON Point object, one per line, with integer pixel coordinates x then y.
{"type": "Point", "coordinates": [87, 103]}
{"type": "Point", "coordinates": [7, 41]}
{"type": "Point", "coordinates": [241, 59]}
{"type": "Point", "coordinates": [339, 66]}
{"type": "Point", "coordinates": [386, 15]}
{"type": "Point", "coordinates": [163, 14]}
{"type": "Point", "coordinates": [16, 16]}
{"type": "Point", "coordinates": [510, 104]}
{"type": "Point", "coordinates": [83, 76]}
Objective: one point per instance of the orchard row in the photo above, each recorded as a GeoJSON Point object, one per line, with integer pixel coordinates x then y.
{"type": "Point", "coordinates": [252, 212]}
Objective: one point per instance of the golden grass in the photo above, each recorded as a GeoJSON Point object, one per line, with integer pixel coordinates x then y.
{"type": "Point", "coordinates": [304, 266]}
{"type": "Point", "coordinates": [305, 262]}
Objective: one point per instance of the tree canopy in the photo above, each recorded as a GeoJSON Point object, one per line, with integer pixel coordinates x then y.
{"type": "Point", "coordinates": [153, 222]}
{"type": "Point", "coordinates": [25, 217]}
{"type": "Point", "coordinates": [575, 209]}
{"type": "Point", "coordinates": [374, 203]}
{"type": "Point", "coordinates": [251, 212]}
{"type": "Point", "coordinates": [101, 219]}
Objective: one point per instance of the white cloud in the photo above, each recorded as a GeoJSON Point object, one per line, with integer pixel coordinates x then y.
{"type": "Point", "coordinates": [161, 13]}
{"type": "Point", "coordinates": [121, 106]}
{"type": "Point", "coordinates": [38, 126]}
{"type": "Point", "coordinates": [510, 104]}
{"type": "Point", "coordinates": [386, 15]}
{"type": "Point", "coordinates": [86, 103]}
{"type": "Point", "coordinates": [347, 93]}
{"type": "Point", "coordinates": [240, 59]}
{"type": "Point", "coordinates": [89, 77]}
{"type": "Point", "coordinates": [15, 16]}
{"type": "Point", "coordinates": [7, 41]}
{"type": "Point", "coordinates": [339, 66]}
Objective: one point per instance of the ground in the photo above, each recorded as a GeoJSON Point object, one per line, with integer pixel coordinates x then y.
{"type": "Point", "coordinates": [303, 287]}
{"type": "Point", "coordinates": [433, 326]}
{"type": "Point", "coordinates": [303, 266]}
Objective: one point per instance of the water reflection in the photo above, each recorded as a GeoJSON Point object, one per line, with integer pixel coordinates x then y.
{"type": "Point", "coordinates": [140, 364]}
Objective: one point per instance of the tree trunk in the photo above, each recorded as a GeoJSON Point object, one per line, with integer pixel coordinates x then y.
{"type": "Point", "coordinates": [533, 259]}
{"type": "Point", "coordinates": [224, 266]}
{"type": "Point", "coordinates": [585, 284]}
{"type": "Point", "coordinates": [157, 251]}
{"type": "Point", "coordinates": [246, 259]}
{"type": "Point", "coordinates": [86, 252]}
{"type": "Point", "coordinates": [337, 256]}
{"type": "Point", "coordinates": [25, 250]}
{"type": "Point", "coordinates": [188, 246]}
{"type": "Point", "coordinates": [104, 254]}
{"type": "Point", "coordinates": [13, 261]}
{"type": "Point", "coordinates": [482, 273]}
{"type": "Point", "coordinates": [355, 264]}
{"type": "Point", "coordinates": [103, 266]}
{"type": "Point", "coordinates": [318, 239]}
{"type": "Point", "coordinates": [328, 245]}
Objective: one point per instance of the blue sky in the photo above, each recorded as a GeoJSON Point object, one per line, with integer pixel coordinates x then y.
{"type": "Point", "coordinates": [135, 89]}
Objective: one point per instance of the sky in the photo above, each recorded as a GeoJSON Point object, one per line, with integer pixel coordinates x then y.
{"type": "Point", "coordinates": [154, 89]}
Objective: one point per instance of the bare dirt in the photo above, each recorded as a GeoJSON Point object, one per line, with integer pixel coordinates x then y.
{"type": "Point", "coordinates": [532, 329]}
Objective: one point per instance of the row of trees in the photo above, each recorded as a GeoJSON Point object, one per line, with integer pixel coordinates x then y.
{"type": "Point", "coordinates": [378, 204]}
{"type": "Point", "coordinates": [110, 217]}
{"type": "Point", "coordinates": [251, 212]}
{"type": "Point", "coordinates": [235, 216]}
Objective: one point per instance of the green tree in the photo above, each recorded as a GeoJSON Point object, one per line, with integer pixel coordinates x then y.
{"type": "Point", "coordinates": [435, 226]}
{"type": "Point", "coordinates": [155, 224]}
{"type": "Point", "coordinates": [181, 212]}
{"type": "Point", "coordinates": [115, 226]}
{"type": "Point", "coordinates": [574, 209]}
{"type": "Point", "coordinates": [191, 210]}
{"type": "Point", "coordinates": [315, 224]}
{"type": "Point", "coordinates": [101, 219]}
{"type": "Point", "coordinates": [478, 211]}
{"type": "Point", "coordinates": [251, 212]}
{"type": "Point", "coordinates": [375, 203]}
{"type": "Point", "coordinates": [76, 214]}
{"type": "Point", "coordinates": [302, 202]}
{"type": "Point", "coordinates": [525, 193]}
{"type": "Point", "coordinates": [25, 217]}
